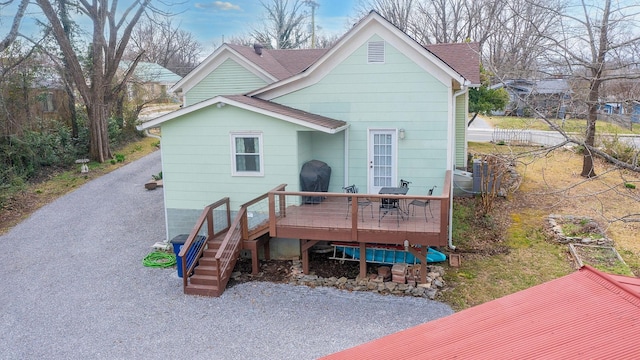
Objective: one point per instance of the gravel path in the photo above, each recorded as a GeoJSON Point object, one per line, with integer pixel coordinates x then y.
{"type": "Point", "coordinates": [73, 287]}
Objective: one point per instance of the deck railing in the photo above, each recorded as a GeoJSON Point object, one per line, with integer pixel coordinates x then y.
{"type": "Point", "coordinates": [336, 218]}
{"type": "Point", "coordinates": [205, 224]}
{"type": "Point", "coordinates": [242, 228]}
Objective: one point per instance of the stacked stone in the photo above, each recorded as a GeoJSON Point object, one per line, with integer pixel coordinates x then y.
{"type": "Point", "coordinates": [562, 238]}
{"type": "Point", "coordinates": [375, 282]}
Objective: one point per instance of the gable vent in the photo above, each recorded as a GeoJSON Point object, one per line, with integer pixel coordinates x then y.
{"type": "Point", "coordinates": [375, 53]}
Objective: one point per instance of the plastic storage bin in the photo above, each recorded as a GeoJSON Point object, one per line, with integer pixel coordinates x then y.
{"type": "Point", "coordinates": [178, 242]}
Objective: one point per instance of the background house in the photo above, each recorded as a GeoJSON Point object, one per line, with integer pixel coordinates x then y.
{"type": "Point", "coordinates": [550, 97]}
{"type": "Point", "coordinates": [376, 107]}
{"type": "Point", "coordinates": [151, 81]}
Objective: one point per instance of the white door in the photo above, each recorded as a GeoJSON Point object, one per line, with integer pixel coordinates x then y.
{"type": "Point", "coordinates": [382, 159]}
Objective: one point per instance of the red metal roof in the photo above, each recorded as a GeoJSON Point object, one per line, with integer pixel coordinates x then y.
{"type": "Point", "coordinates": [585, 315]}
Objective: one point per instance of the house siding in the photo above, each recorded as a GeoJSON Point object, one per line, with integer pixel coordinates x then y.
{"type": "Point", "coordinates": [197, 161]}
{"type": "Point", "coordinates": [461, 128]}
{"type": "Point", "coordinates": [396, 94]}
{"type": "Point", "coordinates": [229, 78]}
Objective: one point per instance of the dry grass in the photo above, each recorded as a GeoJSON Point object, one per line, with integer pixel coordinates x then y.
{"type": "Point", "coordinates": [552, 185]}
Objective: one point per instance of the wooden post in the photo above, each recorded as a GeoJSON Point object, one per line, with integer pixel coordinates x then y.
{"type": "Point", "coordinates": [305, 245]}
{"type": "Point", "coordinates": [363, 260]}
{"type": "Point", "coordinates": [272, 215]}
{"type": "Point", "coordinates": [422, 255]}
{"type": "Point", "coordinates": [354, 219]}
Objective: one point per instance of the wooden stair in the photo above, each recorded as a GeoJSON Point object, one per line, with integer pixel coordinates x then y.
{"type": "Point", "coordinates": [204, 280]}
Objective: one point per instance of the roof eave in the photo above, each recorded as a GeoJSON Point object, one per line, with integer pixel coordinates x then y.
{"type": "Point", "coordinates": [221, 99]}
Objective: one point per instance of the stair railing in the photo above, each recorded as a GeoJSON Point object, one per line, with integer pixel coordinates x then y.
{"type": "Point", "coordinates": [190, 245]}
{"type": "Point", "coordinates": [241, 230]}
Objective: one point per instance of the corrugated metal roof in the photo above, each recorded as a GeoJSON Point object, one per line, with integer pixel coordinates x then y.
{"type": "Point", "coordinates": [584, 315]}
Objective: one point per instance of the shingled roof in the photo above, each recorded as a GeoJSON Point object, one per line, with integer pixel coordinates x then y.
{"type": "Point", "coordinates": [280, 64]}
{"type": "Point", "coordinates": [290, 112]}
{"type": "Point", "coordinates": [464, 58]}
{"type": "Point", "coordinates": [585, 315]}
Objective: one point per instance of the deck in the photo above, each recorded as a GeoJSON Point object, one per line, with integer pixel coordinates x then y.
{"type": "Point", "coordinates": [328, 220]}
{"type": "Point", "coordinates": [332, 217]}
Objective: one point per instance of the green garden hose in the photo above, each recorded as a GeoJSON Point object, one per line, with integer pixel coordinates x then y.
{"type": "Point", "coordinates": [159, 259]}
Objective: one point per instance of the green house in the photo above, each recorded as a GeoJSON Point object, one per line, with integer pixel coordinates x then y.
{"type": "Point", "coordinates": [377, 107]}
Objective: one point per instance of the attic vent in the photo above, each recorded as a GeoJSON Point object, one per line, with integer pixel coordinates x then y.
{"type": "Point", "coordinates": [375, 53]}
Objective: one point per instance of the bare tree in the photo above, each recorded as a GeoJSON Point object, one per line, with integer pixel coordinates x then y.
{"type": "Point", "coordinates": [164, 43]}
{"type": "Point", "coordinates": [15, 25]}
{"type": "Point", "coordinates": [599, 44]}
{"type": "Point", "coordinates": [284, 26]}
{"type": "Point", "coordinates": [398, 12]}
{"type": "Point", "coordinates": [95, 83]}
{"type": "Point", "coordinates": [525, 28]}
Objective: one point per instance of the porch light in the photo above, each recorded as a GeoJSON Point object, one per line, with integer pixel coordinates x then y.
{"type": "Point", "coordinates": [401, 134]}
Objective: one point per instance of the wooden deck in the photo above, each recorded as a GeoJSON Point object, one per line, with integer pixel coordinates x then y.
{"type": "Point", "coordinates": [291, 217]}
{"type": "Point", "coordinates": [328, 220]}
{"type": "Point", "coordinates": [335, 218]}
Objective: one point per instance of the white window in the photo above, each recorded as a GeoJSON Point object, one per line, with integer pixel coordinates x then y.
{"type": "Point", "coordinates": [247, 156]}
{"type": "Point", "coordinates": [375, 52]}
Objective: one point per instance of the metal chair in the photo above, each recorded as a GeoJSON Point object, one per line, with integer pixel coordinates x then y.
{"type": "Point", "coordinates": [387, 206]}
{"type": "Point", "coordinates": [362, 202]}
{"type": "Point", "coordinates": [404, 184]}
{"type": "Point", "coordinates": [423, 204]}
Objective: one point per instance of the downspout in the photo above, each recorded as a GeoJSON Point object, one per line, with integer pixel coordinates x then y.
{"type": "Point", "coordinates": [346, 157]}
{"type": "Point", "coordinates": [455, 96]}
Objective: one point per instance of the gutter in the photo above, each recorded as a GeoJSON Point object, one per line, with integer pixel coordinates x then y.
{"type": "Point", "coordinates": [455, 96]}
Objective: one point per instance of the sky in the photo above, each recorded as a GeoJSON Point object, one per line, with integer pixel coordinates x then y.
{"type": "Point", "coordinates": [213, 22]}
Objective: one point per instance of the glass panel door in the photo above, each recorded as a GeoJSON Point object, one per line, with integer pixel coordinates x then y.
{"type": "Point", "coordinates": [382, 159]}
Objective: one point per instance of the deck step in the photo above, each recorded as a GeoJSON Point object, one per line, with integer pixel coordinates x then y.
{"type": "Point", "coordinates": [200, 279]}
{"type": "Point", "coordinates": [202, 290]}
{"type": "Point", "coordinates": [204, 269]}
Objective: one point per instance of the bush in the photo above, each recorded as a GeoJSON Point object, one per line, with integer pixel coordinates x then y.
{"type": "Point", "coordinates": [24, 157]}
{"type": "Point", "coordinates": [620, 150]}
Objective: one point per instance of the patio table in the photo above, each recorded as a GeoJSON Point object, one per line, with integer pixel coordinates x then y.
{"type": "Point", "coordinates": [388, 205]}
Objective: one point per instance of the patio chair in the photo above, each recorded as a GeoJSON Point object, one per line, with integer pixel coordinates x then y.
{"type": "Point", "coordinates": [362, 202]}
{"type": "Point", "coordinates": [405, 184]}
{"type": "Point", "coordinates": [387, 206]}
{"type": "Point", "coordinates": [423, 204]}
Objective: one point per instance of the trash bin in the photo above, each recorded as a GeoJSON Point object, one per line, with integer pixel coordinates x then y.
{"type": "Point", "coordinates": [177, 243]}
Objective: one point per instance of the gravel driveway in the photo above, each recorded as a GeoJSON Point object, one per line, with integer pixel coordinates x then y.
{"type": "Point", "coordinates": [73, 287]}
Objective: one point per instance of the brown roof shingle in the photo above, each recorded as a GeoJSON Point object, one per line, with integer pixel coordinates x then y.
{"type": "Point", "coordinates": [304, 116]}
{"type": "Point", "coordinates": [464, 58]}
{"type": "Point", "coordinates": [281, 64]}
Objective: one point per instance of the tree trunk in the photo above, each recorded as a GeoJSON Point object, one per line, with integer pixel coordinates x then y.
{"type": "Point", "coordinates": [98, 130]}
{"type": "Point", "coordinates": [588, 169]}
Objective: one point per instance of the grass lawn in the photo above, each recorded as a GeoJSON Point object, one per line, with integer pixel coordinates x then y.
{"type": "Point", "coordinates": [569, 125]}
{"type": "Point", "coordinates": [511, 250]}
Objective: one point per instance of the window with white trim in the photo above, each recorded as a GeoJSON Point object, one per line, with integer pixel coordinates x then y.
{"type": "Point", "coordinates": [375, 52]}
{"type": "Point", "coordinates": [247, 155]}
